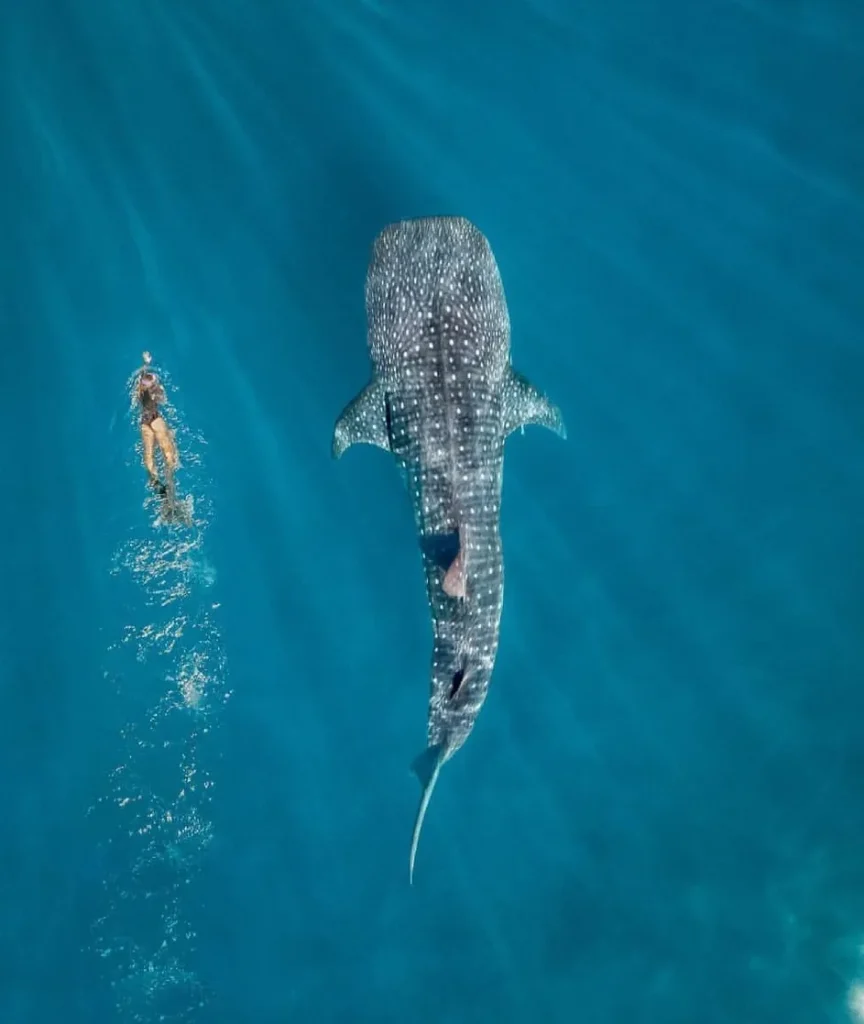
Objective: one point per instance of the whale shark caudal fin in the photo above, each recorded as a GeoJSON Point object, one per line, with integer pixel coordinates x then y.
{"type": "Point", "coordinates": [524, 405]}
{"type": "Point", "coordinates": [363, 421]}
{"type": "Point", "coordinates": [427, 768]}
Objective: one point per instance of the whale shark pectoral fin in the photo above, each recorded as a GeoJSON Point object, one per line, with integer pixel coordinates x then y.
{"type": "Point", "coordinates": [363, 421]}
{"type": "Point", "coordinates": [427, 768]}
{"type": "Point", "coordinates": [524, 404]}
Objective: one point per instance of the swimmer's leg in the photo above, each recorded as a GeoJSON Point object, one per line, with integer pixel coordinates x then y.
{"type": "Point", "coordinates": [148, 438]}
{"type": "Point", "coordinates": [172, 509]}
{"type": "Point", "coordinates": [165, 437]}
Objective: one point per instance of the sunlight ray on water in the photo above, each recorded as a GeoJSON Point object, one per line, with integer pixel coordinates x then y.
{"type": "Point", "coordinates": [153, 814]}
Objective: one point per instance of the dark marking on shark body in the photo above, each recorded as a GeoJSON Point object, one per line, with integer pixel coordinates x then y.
{"type": "Point", "coordinates": [458, 677]}
{"type": "Point", "coordinates": [442, 400]}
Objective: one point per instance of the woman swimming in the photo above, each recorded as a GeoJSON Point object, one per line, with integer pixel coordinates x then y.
{"type": "Point", "coordinates": [150, 394]}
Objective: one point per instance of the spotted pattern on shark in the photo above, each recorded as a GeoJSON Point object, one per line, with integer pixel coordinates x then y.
{"type": "Point", "coordinates": [442, 400]}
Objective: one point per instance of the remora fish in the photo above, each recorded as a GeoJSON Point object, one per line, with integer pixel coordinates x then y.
{"type": "Point", "coordinates": [443, 398]}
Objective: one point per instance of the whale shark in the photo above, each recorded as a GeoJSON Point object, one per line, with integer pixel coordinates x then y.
{"type": "Point", "coordinates": [442, 399]}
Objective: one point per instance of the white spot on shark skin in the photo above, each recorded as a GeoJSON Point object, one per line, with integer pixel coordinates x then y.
{"type": "Point", "coordinates": [439, 338]}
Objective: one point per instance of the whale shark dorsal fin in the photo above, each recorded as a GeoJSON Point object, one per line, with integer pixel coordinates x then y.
{"type": "Point", "coordinates": [426, 767]}
{"type": "Point", "coordinates": [363, 421]}
{"type": "Point", "coordinates": [524, 404]}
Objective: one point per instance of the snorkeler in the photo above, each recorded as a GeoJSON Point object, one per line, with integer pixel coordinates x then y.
{"type": "Point", "coordinates": [150, 395]}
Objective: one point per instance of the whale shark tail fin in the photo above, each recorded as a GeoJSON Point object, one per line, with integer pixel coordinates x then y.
{"type": "Point", "coordinates": [427, 768]}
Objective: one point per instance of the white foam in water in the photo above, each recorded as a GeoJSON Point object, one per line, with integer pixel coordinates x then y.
{"type": "Point", "coordinates": [153, 813]}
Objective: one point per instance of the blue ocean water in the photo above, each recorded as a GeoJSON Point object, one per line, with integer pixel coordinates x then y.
{"type": "Point", "coordinates": [207, 732]}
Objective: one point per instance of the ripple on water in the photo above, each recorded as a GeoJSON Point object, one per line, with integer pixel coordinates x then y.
{"type": "Point", "coordinates": [153, 815]}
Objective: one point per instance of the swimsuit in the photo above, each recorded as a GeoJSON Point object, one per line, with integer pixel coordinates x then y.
{"type": "Point", "coordinates": [149, 399]}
